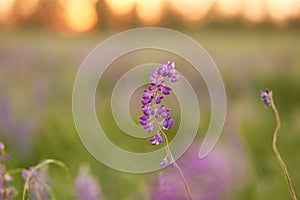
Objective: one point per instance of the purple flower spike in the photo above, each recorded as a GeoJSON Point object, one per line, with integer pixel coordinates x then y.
{"type": "Point", "coordinates": [154, 112]}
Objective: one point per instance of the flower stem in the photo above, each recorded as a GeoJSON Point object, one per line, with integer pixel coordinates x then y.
{"type": "Point", "coordinates": [276, 152]}
{"type": "Point", "coordinates": [177, 167]}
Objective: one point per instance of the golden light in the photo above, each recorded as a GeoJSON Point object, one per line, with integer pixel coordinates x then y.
{"type": "Point", "coordinates": [281, 10]}
{"type": "Point", "coordinates": [5, 9]}
{"type": "Point", "coordinates": [254, 10]}
{"type": "Point", "coordinates": [149, 11]}
{"type": "Point", "coordinates": [81, 15]}
{"type": "Point", "coordinates": [191, 9]}
{"type": "Point", "coordinates": [229, 8]}
{"type": "Point", "coordinates": [121, 7]}
{"type": "Point", "coordinates": [25, 8]}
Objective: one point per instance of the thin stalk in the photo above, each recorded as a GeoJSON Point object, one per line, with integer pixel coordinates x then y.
{"type": "Point", "coordinates": [177, 167]}
{"type": "Point", "coordinates": [276, 152]}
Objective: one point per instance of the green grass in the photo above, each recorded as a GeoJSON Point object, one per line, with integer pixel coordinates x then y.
{"type": "Point", "coordinates": [248, 59]}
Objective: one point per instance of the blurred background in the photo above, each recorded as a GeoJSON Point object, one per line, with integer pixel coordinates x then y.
{"type": "Point", "coordinates": [255, 44]}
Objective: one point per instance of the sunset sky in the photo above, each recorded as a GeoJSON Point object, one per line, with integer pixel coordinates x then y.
{"type": "Point", "coordinates": [81, 15]}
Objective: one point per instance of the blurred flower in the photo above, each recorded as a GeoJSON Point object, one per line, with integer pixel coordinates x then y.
{"type": "Point", "coordinates": [2, 147]}
{"type": "Point", "coordinates": [163, 163]}
{"type": "Point", "coordinates": [7, 190]}
{"type": "Point", "coordinates": [18, 132]}
{"type": "Point", "coordinates": [15, 108]}
{"type": "Point", "coordinates": [37, 182]}
{"type": "Point", "coordinates": [209, 178]}
{"type": "Point", "coordinates": [265, 96]}
{"type": "Point", "coordinates": [87, 187]}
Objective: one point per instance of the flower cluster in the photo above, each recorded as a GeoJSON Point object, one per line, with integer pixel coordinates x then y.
{"type": "Point", "coordinates": [266, 97]}
{"type": "Point", "coordinates": [7, 190]}
{"type": "Point", "coordinates": [154, 111]}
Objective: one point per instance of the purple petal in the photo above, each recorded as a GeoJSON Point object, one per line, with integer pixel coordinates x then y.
{"type": "Point", "coordinates": [174, 77]}
{"type": "Point", "coordinates": [160, 70]}
{"type": "Point", "coordinates": [160, 110]}
{"type": "Point", "coordinates": [143, 122]}
{"type": "Point", "coordinates": [170, 123]}
{"type": "Point", "coordinates": [165, 91]}
{"type": "Point", "coordinates": [165, 115]}
{"type": "Point", "coordinates": [151, 87]}
{"type": "Point", "coordinates": [163, 163]}
{"type": "Point", "coordinates": [144, 102]}
{"type": "Point", "coordinates": [158, 99]}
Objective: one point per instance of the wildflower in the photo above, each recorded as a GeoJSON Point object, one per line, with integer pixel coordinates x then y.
{"type": "Point", "coordinates": [86, 185]}
{"type": "Point", "coordinates": [152, 98]}
{"type": "Point", "coordinates": [266, 97]}
{"type": "Point", "coordinates": [156, 113]}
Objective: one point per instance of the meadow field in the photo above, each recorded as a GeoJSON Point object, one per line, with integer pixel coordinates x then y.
{"type": "Point", "coordinates": [37, 72]}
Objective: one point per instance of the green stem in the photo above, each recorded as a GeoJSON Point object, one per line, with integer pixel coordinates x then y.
{"type": "Point", "coordinates": [276, 152]}
{"type": "Point", "coordinates": [177, 167]}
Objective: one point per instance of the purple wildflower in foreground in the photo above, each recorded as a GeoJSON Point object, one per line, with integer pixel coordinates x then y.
{"type": "Point", "coordinates": [156, 114]}
{"type": "Point", "coordinates": [152, 98]}
{"type": "Point", "coordinates": [86, 185]}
